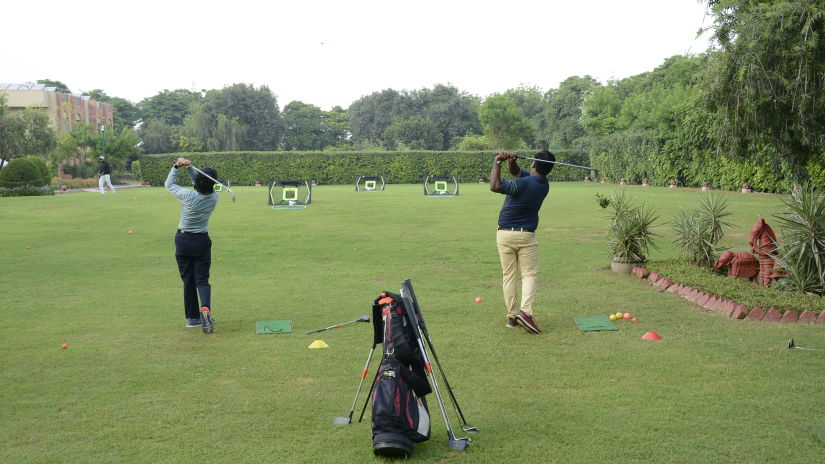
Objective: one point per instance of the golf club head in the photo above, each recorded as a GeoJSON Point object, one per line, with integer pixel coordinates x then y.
{"type": "Point", "coordinates": [459, 444]}
{"type": "Point", "coordinates": [341, 421]}
{"type": "Point", "coordinates": [469, 429]}
{"type": "Point", "coordinates": [364, 318]}
{"type": "Point", "coordinates": [233, 195]}
{"type": "Point", "coordinates": [791, 344]}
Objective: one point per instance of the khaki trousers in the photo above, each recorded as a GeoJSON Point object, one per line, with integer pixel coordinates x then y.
{"type": "Point", "coordinates": [518, 251]}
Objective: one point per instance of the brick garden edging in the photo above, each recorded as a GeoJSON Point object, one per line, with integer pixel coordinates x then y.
{"type": "Point", "coordinates": [723, 306]}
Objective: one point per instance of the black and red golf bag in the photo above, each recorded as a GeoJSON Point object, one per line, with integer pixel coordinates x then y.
{"type": "Point", "coordinates": [400, 416]}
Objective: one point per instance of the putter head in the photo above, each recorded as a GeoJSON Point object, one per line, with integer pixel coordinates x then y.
{"type": "Point", "coordinates": [341, 420]}
{"type": "Point", "coordinates": [459, 444]}
{"type": "Point", "coordinates": [364, 318]}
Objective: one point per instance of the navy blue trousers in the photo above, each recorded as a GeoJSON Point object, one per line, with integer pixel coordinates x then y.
{"type": "Point", "coordinates": [194, 255]}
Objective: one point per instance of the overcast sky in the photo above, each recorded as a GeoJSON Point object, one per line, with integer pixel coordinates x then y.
{"type": "Point", "coordinates": [329, 53]}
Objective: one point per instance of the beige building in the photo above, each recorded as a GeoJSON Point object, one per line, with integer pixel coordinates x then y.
{"type": "Point", "coordinates": [64, 109]}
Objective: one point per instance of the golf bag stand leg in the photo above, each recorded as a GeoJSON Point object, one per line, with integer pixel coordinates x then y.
{"type": "Point", "coordinates": [369, 395]}
{"type": "Point", "coordinates": [348, 419]}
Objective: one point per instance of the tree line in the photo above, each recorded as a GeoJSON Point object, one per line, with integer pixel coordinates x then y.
{"type": "Point", "coordinates": [751, 108]}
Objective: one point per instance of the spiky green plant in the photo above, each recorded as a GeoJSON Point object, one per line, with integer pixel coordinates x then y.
{"type": "Point", "coordinates": [699, 231]}
{"type": "Point", "coordinates": [802, 247]}
{"type": "Point", "coordinates": [629, 234]}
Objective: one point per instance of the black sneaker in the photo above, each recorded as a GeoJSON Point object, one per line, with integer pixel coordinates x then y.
{"type": "Point", "coordinates": [512, 323]}
{"type": "Point", "coordinates": [527, 321]}
{"type": "Point", "coordinates": [208, 322]}
{"type": "Point", "coordinates": [193, 322]}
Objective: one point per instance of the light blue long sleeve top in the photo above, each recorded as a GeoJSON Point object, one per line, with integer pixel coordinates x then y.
{"type": "Point", "coordinates": [195, 208]}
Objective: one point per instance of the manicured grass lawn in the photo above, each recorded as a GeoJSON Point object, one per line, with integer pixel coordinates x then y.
{"type": "Point", "coordinates": [135, 386]}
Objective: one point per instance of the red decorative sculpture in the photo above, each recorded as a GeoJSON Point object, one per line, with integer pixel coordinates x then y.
{"type": "Point", "coordinates": [741, 264]}
{"type": "Point", "coordinates": [763, 243]}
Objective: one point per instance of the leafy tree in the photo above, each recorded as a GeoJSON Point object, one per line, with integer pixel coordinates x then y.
{"type": "Point", "coordinates": [12, 134]}
{"type": "Point", "coordinates": [371, 115]}
{"type": "Point", "coordinates": [454, 113]}
{"type": "Point", "coordinates": [59, 86]}
{"type": "Point", "coordinates": [336, 124]}
{"type": "Point", "coordinates": [562, 114]}
{"type": "Point", "coordinates": [601, 109]}
{"type": "Point", "coordinates": [414, 133]}
{"type": "Point", "coordinates": [170, 107]}
{"type": "Point", "coordinates": [765, 81]}
{"type": "Point", "coordinates": [27, 133]}
{"type": "Point", "coordinates": [305, 128]}
{"type": "Point", "coordinates": [124, 113]}
{"type": "Point", "coordinates": [472, 143]}
{"type": "Point", "coordinates": [157, 136]}
{"type": "Point", "coordinates": [256, 109]}
{"type": "Point", "coordinates": [504, 124]}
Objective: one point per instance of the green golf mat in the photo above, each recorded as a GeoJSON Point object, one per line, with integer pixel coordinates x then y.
{"type": "Point", "coordinates": [273, 327]}
{"type": "Point", "coordinates": [594, 323]}
{"type": "Point", "coordinates": [818, 431]}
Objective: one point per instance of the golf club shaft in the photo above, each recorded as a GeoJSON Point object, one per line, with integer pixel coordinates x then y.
{"type": "Point", "coordinates": [336, 326]}
{"type": "Point", "coordinates": [213, 179]}
{"type": "Point", "coordinates": [557, 162]}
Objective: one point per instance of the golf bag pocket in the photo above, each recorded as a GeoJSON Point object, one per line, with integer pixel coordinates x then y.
{"type": "Point", "coordinates": [398, 334]}
{"type": "Point", "coordinates": [396, 409]}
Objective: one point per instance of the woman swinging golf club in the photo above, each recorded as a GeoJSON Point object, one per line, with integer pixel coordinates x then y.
{"type": "Point", "coordinates": [516, 236]}
{"type": "Point", "coordinates": [193, 247]}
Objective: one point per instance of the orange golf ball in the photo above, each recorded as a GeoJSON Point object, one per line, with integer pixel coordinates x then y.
{"type": "Point", "coordinates": [635, 319]}
{"type": "Point", "coordinates": [478, 300]}
{"type": "Point", "coordinates": [64, 346]}
{"type": "Point", "coordinates": [626, 315]}
{"type": "Point", "coordinates": [130, 232]}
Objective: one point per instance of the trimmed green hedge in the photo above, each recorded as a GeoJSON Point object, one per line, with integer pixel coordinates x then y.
{"type": "Point", "coordinates": [26, 191]}
{"type": "Point", "coordinates": [408, 167]}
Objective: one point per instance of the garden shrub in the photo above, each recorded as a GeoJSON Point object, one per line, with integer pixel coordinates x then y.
{"type": "Point", "coordinates": [45, 176]}
{"type": "Point", "coordinates": [20, 172]}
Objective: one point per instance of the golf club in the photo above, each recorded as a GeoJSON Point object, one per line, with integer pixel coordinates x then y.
{"type": "Point", "coordinates": [215, 180]}
{"type": "Point", "coordinates": [557, 162]}
{"type": "Point", "coordinates": [348, 419]}
{"type": "Point", "coordinates": [363, 318]}
{"type": "Point", "coordinates": [792, 345]}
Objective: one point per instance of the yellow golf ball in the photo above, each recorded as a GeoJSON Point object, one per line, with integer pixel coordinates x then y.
{"type": "Point", "coordinates": [612, 317]}
{"type": "Point", "coordinates": [618, 315]}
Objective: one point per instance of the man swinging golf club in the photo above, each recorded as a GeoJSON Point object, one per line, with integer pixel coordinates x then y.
{"type": "Point", "coordinates": [516, 236]}
{"type": "Point", "coordinates": [193, 247]}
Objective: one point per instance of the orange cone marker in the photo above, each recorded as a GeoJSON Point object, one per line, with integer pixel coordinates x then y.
{"type": "Point", "coordinates": [651, 336]}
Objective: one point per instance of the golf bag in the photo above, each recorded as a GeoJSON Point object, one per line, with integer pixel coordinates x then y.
{"type": "Point", "coordinates": [399, 410]}
{"type": "Point", "coordinates": [400, 416]}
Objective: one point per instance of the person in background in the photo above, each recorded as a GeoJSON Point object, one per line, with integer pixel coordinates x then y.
{"type": "Point", "coordinates": [193, 247]}
{"type": "Point", "coordinates": [105, 172]}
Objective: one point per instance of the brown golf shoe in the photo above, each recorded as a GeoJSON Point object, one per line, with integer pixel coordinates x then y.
{"type": "Point", "coordinates": [512, 323]}
{"type": "Point", "coordinates": [527, 321]}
